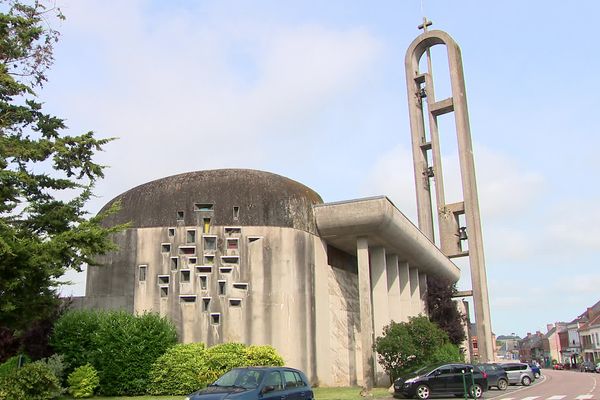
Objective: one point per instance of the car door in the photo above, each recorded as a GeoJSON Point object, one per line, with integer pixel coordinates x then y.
{"type": "Point", "coordinates": [274, 380]}
{"type": "Point", "coordinates": [438, 379]}
{"type": "Point", "coordinates": [455, 382]}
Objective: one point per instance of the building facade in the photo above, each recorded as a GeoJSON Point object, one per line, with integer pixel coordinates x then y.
{"type": "Point", "coordinates": [253, 257]}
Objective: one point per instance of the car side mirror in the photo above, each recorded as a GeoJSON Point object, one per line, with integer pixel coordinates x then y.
{"type": "Point", "coordinates": [267, 389]}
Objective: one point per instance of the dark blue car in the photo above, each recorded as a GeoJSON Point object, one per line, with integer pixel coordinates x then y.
{"type": "Point", "coordinates": [257, 383]}
{"type": "Point", "coordinates": [536, 371]}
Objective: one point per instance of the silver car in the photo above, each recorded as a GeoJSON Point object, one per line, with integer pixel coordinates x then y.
{"type": "Point", "coordinates": [518, 373]}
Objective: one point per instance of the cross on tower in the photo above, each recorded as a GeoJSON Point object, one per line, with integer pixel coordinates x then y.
{"type": "Point", "coordinates": [425, 24]}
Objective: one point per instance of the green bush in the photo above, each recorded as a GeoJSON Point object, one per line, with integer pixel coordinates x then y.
{"type": "Point", "coordinates": [447, 353]}
{"type": "Point", "coordinates": [181, 370]}
{"type": "Point", "coordinates": [57, 365]}
{"type": "Point", "coordinates": [11, 365]}
{"type": "Point", "coordinates": [262, 356]}
{"type": "Point", "coordinates": [73, 337]}
{"type": "Point", "coordinates": [126, 347]}
{"type": "Point", "coordinates": [223, 357]}
{"type": "Point", "coordinates": [34, 381]}
{"type": "Point", "coordinates": [83, 381]}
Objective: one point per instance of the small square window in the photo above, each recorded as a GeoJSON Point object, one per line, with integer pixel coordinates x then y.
{"type": "Point", "coordinates": [206, 225]}
{"type": "Point", "coordinates": [203, 206]}
{"type": "Point", "coordinates": [163, 279]}
{"type": "Point", "coordinates": [209, 260]}
{"type": "Point", "coordinates": [187, 250]}
{"type": "Point", "coordinates": [236, 213]}
{"type": "Point", "coordinates": [204, 269]}
{"type": "Point", "coordinates": [235, 302]}
{"type": "Point", "coordinates": [240, 286]}
{"type": "Point", "coordinates": [190, 236]}
{"type": "Point", "coordinates": [205, 303]}
{"type": "Point", "coordinates": [192, 261]}
{"type": "Point", "coordinates": [225, 270]}
{"type": "Point", "coordinates": [203, 282]}
{"type": "Point", "coordinates": [174, 262]}
{"type": "Point", "coordinates": [185, 275]}
{"type": "Point", "coordinates": [187, 298]}
{"type": "Point", "coordinates": [180, 215]}
{"type": "Point", "coordinates": [215, 318]}
{"type": "Point", "coordinates": [165, 247]}
{"type": "Point", "coordinates": [171, 232]}
{"type": "Point", "coordinates": [230, 230]}
{"type": "Point", "coordinates": [164, 291]}
{"type": "Point", "coordinates": [210, 243]}
{"type": "Point", "coordinates": [142, 276]}
{"type": "Point", "coordinates": [253, 238]}
{"type": "Point", "coordinates": [230, 259]}
{"type": "Point", "coordinates": [232, 244]}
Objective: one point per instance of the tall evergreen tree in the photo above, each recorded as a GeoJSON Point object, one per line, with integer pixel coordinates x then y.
{"type": "Point", "coordinates": [46, 177]}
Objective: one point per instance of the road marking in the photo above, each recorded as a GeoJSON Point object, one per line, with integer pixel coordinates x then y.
{"type": "Point", "coordinates": [508, 398]}
{"type": "Point", "coordinates": [584, 396]}
{"type": "Point", "coordinates": [530, 398]}
{"type": "Point", "coordinates": [558, 397]}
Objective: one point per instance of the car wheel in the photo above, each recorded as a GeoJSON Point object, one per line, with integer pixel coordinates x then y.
{"type": "Point", "coordinates": [536, 375]}
{"type": "Point", "coordinates": [476, 391]}
{"type": "Point", "coordinates": [502, 384]}
{"type": "Point", "coordinates": [423, 392]}
{"type": "Point", "coordinates": [526, 381]}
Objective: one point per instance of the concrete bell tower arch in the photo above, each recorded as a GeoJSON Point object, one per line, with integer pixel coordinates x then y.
{"type": "Point", "coordinates": [428, 167]}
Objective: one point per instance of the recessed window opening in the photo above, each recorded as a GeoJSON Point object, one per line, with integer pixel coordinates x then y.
{"type": "Point", "coordinates": [171, 232]}
{"type": "Point", "coordinates": [187, 250]}
{"type": "Point", "coordinates": [235, 302]}
{"type": "Point", "coordinates": [174, 262]}
{"type": "Point", "coordinates": [192, 261]}
{"type": "Point", "coordinates": [185, 275]}
{"type": "Point", "coordinates": [215, 318]}
{"type": "Point", "coordinates": [206, 225]}
{"type": "Point", "coordinates": [164, 291]}
{"type": "Point", "coordinates": [190, 236]}
{"type": "Point", "coordinates": [253, 238]}
{"type": "Point", "coordinates": [204, 269]}
{"type": "Point", "coordinates": [230, 259]}
{"type": "Point", "coordinates": [205, 303]}
{"type": "Point", "coordinates": [142, 276]}
{"type": "Point", "coordinates": [240, 285]}
{"type": "Point", "coordinates": [225, 270]}
{"type": "Point", "coordinates": [203, 207]}
{"type": "Point", "coordinates": [187, 298]}
{"type": "Point", "coordinates": [203, 282]}
{"type": "Point", "coordinates": [236, 213]}
{"type": "Point", "coordinates": [209, 259]}
{"type": "Point", "coordinates": [163, 279]}
{"type": "Point", "coordinates": [180, 215]}
{"type": "Point", "coordinates": [232, 229]}
{"type": "Point", "coordinates": [232, 244]}
{"type": "Point", "coordinates": [210, 243]}
{"type": "Point", "coordinates": [165, 247]}
{"type": "Point", "coordinates": [222, 288]}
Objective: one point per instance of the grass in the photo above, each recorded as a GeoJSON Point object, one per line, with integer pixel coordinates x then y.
{"type": "Point", "coordinates": [321, 393]}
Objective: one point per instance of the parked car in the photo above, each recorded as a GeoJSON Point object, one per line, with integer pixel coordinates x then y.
{"type": "Point", "coordinates": [442, 378]}
{"type": "Point", "coordinates": [587, 366]}
{"type": "Point", "coordinates": [558, 366]}
{"type": "Point", "coordinates": [518, 373]}
{"type": "Point", "coordinates": [496, 375]}
{"type": "Point", "coordinates": [598, 368]}
{"type": "Point", "coordinates": [536, 371]}
{"type": "Point", "coordinates": [258, 382]}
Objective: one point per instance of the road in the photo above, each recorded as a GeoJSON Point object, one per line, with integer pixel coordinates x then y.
{"type": "Point", "coordinates": [553, 385]}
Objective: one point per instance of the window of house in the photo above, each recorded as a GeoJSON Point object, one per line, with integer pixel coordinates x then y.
{"type": "Point", "coordinates": [190, 236]}
{"type": "Point", "coordinates": [209, 259]}
{"type": "Point", "coordinates": [225, 270]}
{"type": "Point", "coordinates": [165, 247]}
{"type": "Point", "coordinates": [171, 232]}
{"type": "Point", "coordinates": [142, 276]}
{"type": "Point", "coordinates": [204, 269]}
{"type": "Point", "coordinates": [174, 262]}
{"type": "Point", "coordinates": [206, 225]}
{"type": "Point", "coordinates": [240, 286]}
{"type": "Point", "coordinates": [215, 318]}
{"type": "Point", "coordinates": [253, 238]}
{"type": "Point", "coordinates": [185, 275]}
{"type": "Point", "coordinates": [232, 243]}
{"type": "Point", "coordinates": [187, 250]}
{"type": "Point", "coordinates": [235, 302]}
{"type": "Point", "coordinates": [164, 291]}
{"type": "Point", "coordinates": [203, 282]}
{"type": "Point", "coordinates": [163, 279]}
{"type": "Point", "coordinates": [236, 213]}
{"type": "Point", "coordinates": [210, 243]}
{"type": "Point", "coordinates": [180, 215]}
{"type": "Point", "coordinates": [222, 288]}
{"type": "Point", "coordinates": [231, 230]}
{"type": "Point", "coordinates": [205, 303]}
{"type": "Point", "coordinates": [230, 259]}
{"type": "Point", "coordinates": [192, 260]}
{"type": "Point", "coordinates": [203, 207]}
{"type": "Point", "coordinates": [187, 298]}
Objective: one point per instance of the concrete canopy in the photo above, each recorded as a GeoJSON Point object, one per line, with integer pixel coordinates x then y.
{"type": "Point", "coordinates": [378, 219]}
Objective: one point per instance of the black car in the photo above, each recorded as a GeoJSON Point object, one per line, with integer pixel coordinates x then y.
{"type": "Point", "coordinates": [442, 378]}
{"type": "Point", "coordinates": [496, 375]}
{"type": "Point", "coordinates": [252, 383]}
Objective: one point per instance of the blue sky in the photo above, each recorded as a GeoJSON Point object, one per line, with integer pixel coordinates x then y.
{"type": "Point", "coordinates": [316, 91]}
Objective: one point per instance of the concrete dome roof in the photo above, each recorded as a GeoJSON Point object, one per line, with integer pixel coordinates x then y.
{"type": "Point", "coordinates": [258, 198]}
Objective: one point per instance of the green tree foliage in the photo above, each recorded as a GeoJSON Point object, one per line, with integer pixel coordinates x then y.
{"type": "Point", "coordinates": [73, 337]}
{"type": "Point", "coordinates": [121, 346]}
{"type": "Point", "coordinates": [46, 177]}
{"type": "Point", "coordinates": [223, 357]}
{"type": "Point", "coordinates": [407, 346]}
{"type": "Point", "coordinates": [263, 356]}
{"type": "Point", "coordinates": [11, 365]}
{"type": "Point", "coordinates": [83, 381]}
{"type": "Point", "coordinates": [443, 311]}
{"type": "Point", "coordinates": [34, 381]}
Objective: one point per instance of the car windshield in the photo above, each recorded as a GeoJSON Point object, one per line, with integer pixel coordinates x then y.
{"type": "Point", "coordinates": [242, 378]}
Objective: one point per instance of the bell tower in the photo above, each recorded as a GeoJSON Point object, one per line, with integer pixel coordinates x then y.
{"type": "Point", "coordinates": [456, 238]}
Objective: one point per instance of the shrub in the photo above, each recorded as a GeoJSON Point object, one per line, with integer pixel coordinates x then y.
{"type": "Point", "coordinates": [34, 381]}
{"type": "Point", "coordinates": [83, 381]}
{"type": "Point", "coordinates": [73, 335]}
{"type": "Point", "coordinates": [262, 356]}
{"type": "Point", "coordinates": [447, 353]}
{"type": "Point", "coordinates": [127, 346]}
{"type": "Point", "coordinates": [12, 364]}
{"type": "Point", "coordinates": [57, 365]}
{"type": "Point", "coordinates": [223, 357]}
{"type": "Point", "coordinates": [181, 370]}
